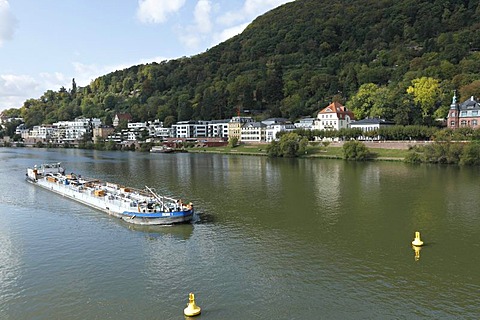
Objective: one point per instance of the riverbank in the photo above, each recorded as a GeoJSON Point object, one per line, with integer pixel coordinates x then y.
{"type": "Point", "coordinates": [384, 151]}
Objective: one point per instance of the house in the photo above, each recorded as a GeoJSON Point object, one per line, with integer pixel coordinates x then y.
{"type": "Point", "coordinates": [22, 131]}
{"type": "Point", "coordinates": [305, 123]}
{"type": "Point", "coordinates": [253, 132]}
{"type": "Point", "coordinates": [466, 114]}
{"type": "Point", "coordinates": [333, 117]}
{"type": "Point", "coordinates": [371, 124]}
{"type": "Point", "coordinates": [272, 130]}
{"type": "Point", "coordinates": [121, 116]}
{"type": "Point", "coordinates": [274, 126]}
{"type": "Point", "coordinates": [271, 121]}
{"type": "Point", "coordinates": [235, 126]}
{"type": "Point", "coordinates": [102, 132]}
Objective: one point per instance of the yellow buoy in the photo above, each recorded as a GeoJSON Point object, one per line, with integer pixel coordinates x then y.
{"type": "Point", "coordinates": [417, 242]}
{"type": "Point", "coordinates": [192, 309]}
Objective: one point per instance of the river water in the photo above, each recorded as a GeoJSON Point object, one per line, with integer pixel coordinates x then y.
{"type": "Point", "coordinates": [273, 239]}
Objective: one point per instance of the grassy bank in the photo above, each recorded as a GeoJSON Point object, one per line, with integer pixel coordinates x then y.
{"type": "Point", "coordinates": [330, 152]}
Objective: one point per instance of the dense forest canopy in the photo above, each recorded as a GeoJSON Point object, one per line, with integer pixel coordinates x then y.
{"type": "Point", "coordinates": [400, 60]}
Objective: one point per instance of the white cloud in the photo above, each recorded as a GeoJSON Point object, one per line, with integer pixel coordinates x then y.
{"type": "Point", "coordinates": [250, 10]}
{"type": "Point", "coordinates": [202, 16]}
{"type": "Point", "coordinates": [8, 22]}
{"type": "Point", "coordinates": [53, 81]}
{"type": "Point", "coordinates": [15, 89]}
{"type": "Point", "coordinates": [229, 33]}
{"type": "Point", "coordinates": [195, 34]}
{"type": "Point", "coordinates": [156, 11]}
{"type": "Point", "coordinates": [13, 85]}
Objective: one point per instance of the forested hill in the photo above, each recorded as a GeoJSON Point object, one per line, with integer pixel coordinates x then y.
{"type": "Point", "coordinates": [297, 58]}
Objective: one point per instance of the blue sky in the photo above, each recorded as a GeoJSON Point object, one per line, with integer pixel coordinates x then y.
{"type": "Point", "coordinates": [44, 44]}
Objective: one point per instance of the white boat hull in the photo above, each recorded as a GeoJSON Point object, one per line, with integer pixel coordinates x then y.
{"type": "Point", "coordinates": [119, 205]}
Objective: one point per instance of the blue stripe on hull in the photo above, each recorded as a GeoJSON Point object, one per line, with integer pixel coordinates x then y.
{"type": "Point", "coordinates": [159, 215]}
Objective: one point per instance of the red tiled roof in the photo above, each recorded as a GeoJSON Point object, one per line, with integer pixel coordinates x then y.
{"type": "Point", "coordinates": [124, 116]}
{"type": "Point", "coordinates": [338, 108]}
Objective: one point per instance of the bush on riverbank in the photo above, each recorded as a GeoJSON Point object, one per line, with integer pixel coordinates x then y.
{"type": "Point", "coordinates": [446, 152]}
{"type": "Point", "coordinates": [356, 150]}
{"type": "Point", "coordinates": [289, 145]}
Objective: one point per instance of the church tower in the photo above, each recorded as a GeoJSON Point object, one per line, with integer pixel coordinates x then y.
{"type": "Point", "coordinates": [453, 113]}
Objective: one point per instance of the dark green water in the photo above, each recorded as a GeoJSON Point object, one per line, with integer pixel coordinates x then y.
{"type": "Point", "coordinates": [274, 239]}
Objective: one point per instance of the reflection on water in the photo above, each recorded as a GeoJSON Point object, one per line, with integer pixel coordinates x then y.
{"type": "Point", "coordinates": [10, 264]}
{"type": "Point", "coordinates": [417, 252]}
{"type": "Point", "coordinates": [178, 232]}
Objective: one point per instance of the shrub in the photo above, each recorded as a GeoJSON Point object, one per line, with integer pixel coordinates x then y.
{"type": "Point", "coordinates": [290, 145]}
{"type": "Point", "coordinates": [233, 142]}
{"type": "Point", "coordinates": [471, 154]}
{"type": "Point", "coordinates": [355, 150]}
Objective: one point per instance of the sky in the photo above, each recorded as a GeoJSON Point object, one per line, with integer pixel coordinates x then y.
{"type": "Point", "coordinates": [45, 44]}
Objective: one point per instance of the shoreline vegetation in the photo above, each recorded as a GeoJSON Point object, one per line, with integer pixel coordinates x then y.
{"type": "Point", "coordinates": [294, 146]}
{"type": "Point", "coordinates": [384, 151]}
{"type": "Point", "coordinates": [331, 151]}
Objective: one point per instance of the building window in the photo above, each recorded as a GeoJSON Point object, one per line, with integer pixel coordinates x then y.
{"type": "Point", "coordinates": [453, 114]}
{"type": "Point", "coordinates": [475, 113]}
{"type": "Point", "coordinates": [463, 123]}
{"type": "Point", "coordinates": [474, 122]}
{"type": "Point", "coordinates": [452, 123]}
{"type": "Point", "coordinates": [463, 113]}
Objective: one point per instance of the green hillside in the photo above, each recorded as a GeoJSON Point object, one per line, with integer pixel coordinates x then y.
{"type": "Point", "coordinates": [400, 60]}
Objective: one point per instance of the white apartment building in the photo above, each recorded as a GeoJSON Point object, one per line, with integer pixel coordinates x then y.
{"type": "Point", "coordinates": [183, 129]}
{"type": "Point", "coordinates": [136, 125]}
{"type": "Point", "coordinates": [218, 129]}
{"type": "Point", "coordinates": [190, 129]}
{"type": "Point", "coordinates": [41, 132]}
{"type": "Point", "coordinates": [253, 132]}
{"type": "Point", "coordinates": [22, 131]}
{"type": "Point", "coordinates": [162, 133]}
{"type": "Point", "coordinates": [272, 130]}
{"type": "Point", "coordinates": [70, 131]}
{"type": "Point", "coordinates": [200, 129]}
{"type": "Point", "coordinates": [305, 123]}
{"type": "Point", "coordinates": [368, 125]}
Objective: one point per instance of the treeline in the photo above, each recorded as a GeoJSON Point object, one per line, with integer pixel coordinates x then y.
{"type": "Point", "coordinates": [399, 60]}
{"type": "Point", "coordinates": [392, 133]}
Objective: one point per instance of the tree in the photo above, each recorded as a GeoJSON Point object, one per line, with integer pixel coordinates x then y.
{"type": "Point", "coordinates": [362, 101]}
{"type": "Point", "coordinates": [169, 120]}
{"type": "Point", "coordinates": [469, 90]}
{"type": "Point", "coordinates": [290, 145]}
{"type": "Point", "coordinates": [233, 142]}
{"type": "Point", "coordinates": [108, 119]}
{"type": "Point", "coordinates": [73, 92]}
{"type": "Point", "coordinates": [274, 84]}
{"type": "Point", "coordinates": [292, 106]}
{"type": "Point", "coordinates": [426, 94]}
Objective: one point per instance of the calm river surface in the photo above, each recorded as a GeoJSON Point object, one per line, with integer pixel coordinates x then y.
{"type": "Point", "coordinates": [274, 239]}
